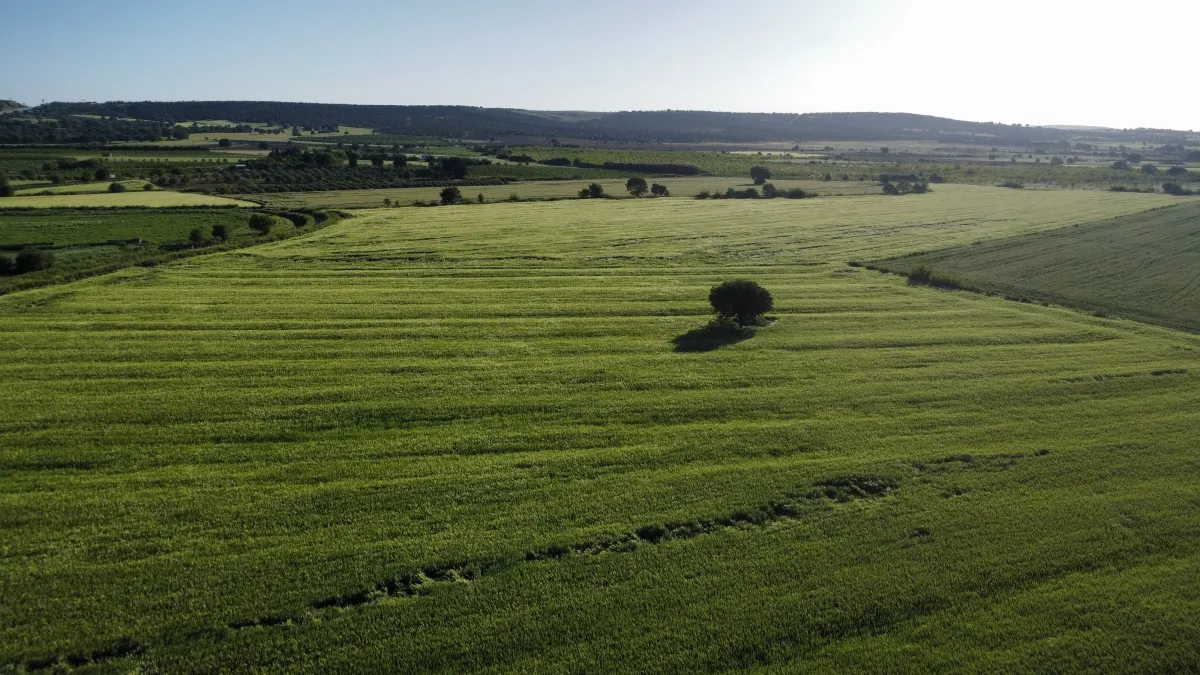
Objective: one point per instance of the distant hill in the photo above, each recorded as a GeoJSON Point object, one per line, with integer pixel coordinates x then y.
{"type": "Point", "coordinates": [672, 126]}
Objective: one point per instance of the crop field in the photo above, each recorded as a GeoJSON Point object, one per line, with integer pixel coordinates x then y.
{"type": "Point", "coordinates": [210, 137]}
{"type": "Point", "coordinates": [738, 164]}
{"type": "Point", "coordinates": [497, 438]}
{"type": "Point", "coordinates": [679, 187]}
{"type": "Point", "coordinates": [153, 199]}
{"type": "Point", "coordinates": [1145, 266]}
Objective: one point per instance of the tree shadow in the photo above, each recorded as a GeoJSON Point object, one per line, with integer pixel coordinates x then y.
{"type": "Point", "coordinates": [712, 336]}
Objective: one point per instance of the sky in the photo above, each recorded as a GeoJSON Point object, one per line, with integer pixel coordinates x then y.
{"type": "Point", "coordinates": [1047, 62]}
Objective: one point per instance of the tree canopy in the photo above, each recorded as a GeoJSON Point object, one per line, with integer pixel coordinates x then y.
{"type": "Point", "coordinates": [741, 300]}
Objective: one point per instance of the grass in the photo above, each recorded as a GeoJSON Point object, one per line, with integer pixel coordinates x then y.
{"type": "Point", "coordinates": [462, 439]}
{"type": "Point", "coordinates": [133, 198]}
{"type": "Point", "coordinates": [1142, 266]}
{"type": "Point", "coordinates": [567, 189]}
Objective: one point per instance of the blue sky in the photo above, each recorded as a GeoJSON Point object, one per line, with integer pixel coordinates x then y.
{"type": "Point", "coordinates": [1047, 62]}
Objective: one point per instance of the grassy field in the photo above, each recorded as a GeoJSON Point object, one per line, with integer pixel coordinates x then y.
{"type": "Point", "coordinates": [78, 188]}
{"type": "Point", "coordinates": [479, 439]}
{"type": "Point", "coordinates": [80, 237]}
{"type": "Point", "coordinates": [139, 198]}
{"type": "Point", "coordinates": [1145, 266]}
{"type": "Point", "coordinates": [679, 187]}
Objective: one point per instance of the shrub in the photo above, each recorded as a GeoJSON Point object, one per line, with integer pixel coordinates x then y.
{"type": "Point", "coordinates": [33, 260]}
{"type": "Point", "coordinates": [659, 190]}
{"type": "Point", "coordinates": [584, 193]}
{"type": "Point", "coordinates": [636, 186]}
{"type": "Point", "coordinates": [1177, 171]}
{"type": "Point", "coordinates": [741, 300]}
{"type": "Point", "coordinates": [116, 187]}
{"type": "Point", "coordinates": [1120, 165]}
{"type": "Point", "coordinates": [224, 143]}
{"type": "Point", "coordinates": [220, 232]}
{"type": "Point", "coordinates": [703, 194]}
{"type": "Point", "coordinates": [479, 197]}
{"type": "Point", "coordinates": [7, 266]}
{"type": "Point", "coordinates": [923, 275]}
{"type": "Point", "coordinates": [1149, 169]}
{"type": "Point", "coordinates": [148, 187]}
{"type": "Point", "coordinates": [796, 193]}
{"type": "Point", "coordinates": [261, 223]}
{"type": "Point", "coordinates": [1016, 185]}
{"type": "Point", "coordinates": [1173, 188]}
{"type": "Point", "coordinates": [450, 195]}
{"type": "Point", "coordinates": [770, 191]}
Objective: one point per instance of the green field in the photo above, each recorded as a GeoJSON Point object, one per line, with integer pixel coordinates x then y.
{"type": "Point", "coordinates": [76, 188]}
{"type": "Point", "coordinates": [471, 439]}
{"type": "Point", "coordinates": [82, 239]}
{"type": "Point", "coordinates": [1144, 266]}
{"type": "Point", "coordinates": [565, 189]}
{"type": "Point", "coordinates": [140, 198]}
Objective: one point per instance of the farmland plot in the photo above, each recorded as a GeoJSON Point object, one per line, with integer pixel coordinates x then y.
{"type": "Point", "coordinates": [464, 438]}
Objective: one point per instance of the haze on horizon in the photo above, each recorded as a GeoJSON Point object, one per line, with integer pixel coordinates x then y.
{"type": "Point", "coordinates": [1053, 62]}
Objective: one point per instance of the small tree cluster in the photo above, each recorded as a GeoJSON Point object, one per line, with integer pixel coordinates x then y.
{"type": "Point", "coordinates": [659, 190]}
{"type": "Point", "coordinates": [905, 187]}
{"type": "Point", "coordinates": [28, 260]}
{"type": "Point", "coordinates": [592, 191]}
{"type": "Point", "coordinates": [1174, 188]}
{"type": "Point", "coordinates": [116, 187]}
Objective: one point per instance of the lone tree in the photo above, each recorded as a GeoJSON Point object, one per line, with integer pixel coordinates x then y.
{"type": "Point", "coordinates": [196, 237]}
{"type": "Point", "coordinates": [6, 190]}
{"type": "Point", "coordinates": [220, 232]}
{"type": "Point", "coordinates": [742, 300]}
{"type": "Point", "coordinates": [595, 190]}
{"type": "Point", "coordinates": [659, 190]}
{"type": "Point", "coordinates": [636, 186]}
{"type": "Point", "coordinates": [451, 195]}
{"type": "Point", "coordinates": [760, 174]}
{"type": "Point", "coordinates": [261, 223]}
